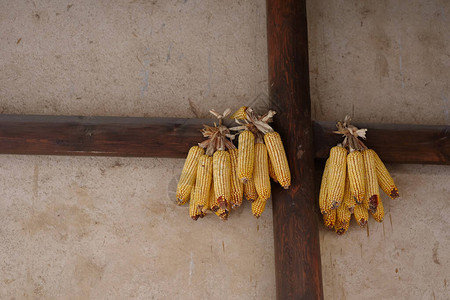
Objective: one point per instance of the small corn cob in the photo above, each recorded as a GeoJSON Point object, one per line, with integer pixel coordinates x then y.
{"type": "Point", "coordinates": [378, 215]}
{"type": "Point", "coordinates": [261, 172]}
{"type": "Point", "coordinates": [237, 188]}
{"type": "Point", "coordinates": [349, 201]}
{"type": "Point", "coordinates": [361, 215]}
{"type": "Point", "coordinates": [272, 171]}
{"type": "Point", "coordinates": [246, 155]}
{"type": "Point", "coordinates": [336, 175]}
{"type": "Point", "coordinates": [222, 177]}
{"type": "Point", "coordinates": [240, 114]}
{"type": "Point", "coordinates": [187, 178]}
{"type": "Point", "coordinates": [372, 190]}
{"type": "Point", "coordinates": [194, 213]}
{"type": "Point", "coordinates": [329, 218]}
{"type": "Point", "coordinates": [203, 181]}
{"type": "Point", "coordinates": [343, 216]}
{"type": "Point", "coordinates": [258, 207]}
{"type": "Point", "coordinates": [323, 190]}
{"type": "Point", "coordinates": [356, 175]}
{"type": "Point", "coordinates": [213, 204]}
{"type": "Point", "coordinates": [384, 178]}
{"type": "Point", "coordinates": [250, 191]}
{"type": "Point", "coordinates": [278, 158]}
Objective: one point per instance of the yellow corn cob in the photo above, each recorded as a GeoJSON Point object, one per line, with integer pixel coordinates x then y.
{"type": "Point", "coordinates": [278, 158]}
{"type": "Point", "coordinates": [213, 204]}
{"type": "Point", "coordinates": [250, 191]}
{"type": "Point", "coordinates": [203, 181]}
{"type": "Point", "coordinates": [356, 175]}
{"type": "Point", "coordinates": [246, 155]}
{"type": "Point", "coordinates": [372, 190]}
{"type": "Point", "coordinates": [240, 114]}
{"type": "Point", "coordinates": [237, 188]}
{"type": "Point", "coordinates": [378, 215]}
{"type": "Point", "coordinates": [258, 207]}
{"type": "Point", "coordinates": [194, 213]}
{"type": "Point", "coordinates": [210, 199]}
{"type": "Point", "coordinates": [361, 215]}
{"type": "Point", "coordinates": [187, 178]}
{"type": "Point", "coordinates": [222, 177]}
{"type": "Point", "coordinates": [261, 172]}
{"type": "Point", "coordinates": [272, 171]}
{"type": "Point", "coordinates": [384, 178]}
{"type": "Point", "coordinates": [323, 190]}
{"type": "Point", "coordinates": [336, 175]}
{"type": "Point", "coordinates": [349, 201]}
{"type": "Point", "coordinates": [343, 216]}
{"type": "Point", "coordinates": [329, 218]}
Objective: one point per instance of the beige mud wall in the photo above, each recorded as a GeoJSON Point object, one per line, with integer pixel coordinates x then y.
{"type": "Point", "coordinates": [107, 228]}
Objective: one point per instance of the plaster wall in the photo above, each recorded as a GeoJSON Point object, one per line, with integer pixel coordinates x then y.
{"type": "Point", "coordinates": [107, 228]}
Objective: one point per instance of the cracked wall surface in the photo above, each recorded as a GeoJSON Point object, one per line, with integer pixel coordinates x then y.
{"type": "Point", "coordinates": [108, 228]}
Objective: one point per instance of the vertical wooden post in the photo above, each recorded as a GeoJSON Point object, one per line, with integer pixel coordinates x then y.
{"type": "Point", "coordinates": [297, 251]}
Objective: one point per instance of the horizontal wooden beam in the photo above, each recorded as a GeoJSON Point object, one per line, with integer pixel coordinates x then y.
{"type": "Point", "coordinates": [394, 143]}
{"type": "Point", "coordinates": [172, 137]}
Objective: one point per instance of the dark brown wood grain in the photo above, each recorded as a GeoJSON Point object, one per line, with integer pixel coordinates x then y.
{"type": "Point", "coordinates": [296, 234]}
{"type": "Point", "coordinates": [394, 143]}
{"type": "Point", "coordinates": [171, 137]}
{"type": "Point", "coordinates": [98, 136]}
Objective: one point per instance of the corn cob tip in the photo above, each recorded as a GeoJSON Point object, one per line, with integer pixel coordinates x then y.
{"type": "Point", "coordinates": [286, 187]}
{"type": "Point", "coordinates": [257, 215]}
{"type": "Point", "coordinates": [222, 203]}
{"type": "Point", "coordinates": [394, 193]}
{"type": "Point", "coordinates": [195, 218]}
{"type": "Point", "coordinates": [362, 222]}
{"type": "Point", "coordinates": [373, 203]}
{"type": "Point", "coordinates": [341, 230]}
{"type": "Point", "coordinates": [236, 205]}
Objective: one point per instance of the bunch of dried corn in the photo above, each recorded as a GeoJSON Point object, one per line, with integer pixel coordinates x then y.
{"type": "Point", "coordinates": [217, 175]}
{"type": "Point", "coordinates": [209, 179]}
{"type": "Point", "coordinates": [351, 180]}
{"type": "Point", "coordinates": [261, 156]}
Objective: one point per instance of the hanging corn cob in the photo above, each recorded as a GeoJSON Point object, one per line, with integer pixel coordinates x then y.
{"type": "Point", "coordinates": [246, 156]}
{"type": "Point", "coordinates": [203, 180]}
{"type": "Point", "coordinates": [351, 181]}
{"type": "Point", "coordinates": [323, 190]}
{"type": "Point", "coordinates": [258, 207]}
{"type": "Point", "coordinates": [336, 176]}
{"type": "Point", "coordinates": [372, 190]}
{"type": "Point", "coordinates": [272, 171]}
{"type": "Point", "coordinates": [343, 217]}
{"type": "Point", "coordinates": [187, 179]}
{"type": "Point", "coordinates": [250, 191]}
{"type": "Point", "coordinates": [261, 171]}
{"type": "Point", "coordinates": [278, 158]}
{"type": "Point", "coordinates": [237, 187]}
{"type": "Point", "coordinates": [356, 175]}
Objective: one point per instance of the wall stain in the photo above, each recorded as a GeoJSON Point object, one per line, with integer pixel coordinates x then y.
{"type": "Point", "coordinates": [87, 275]}
{"type": "Point", "coordinates": [435, 253]}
